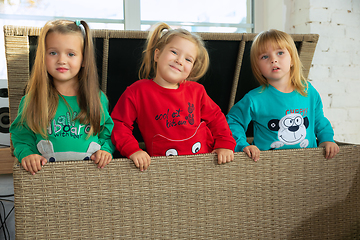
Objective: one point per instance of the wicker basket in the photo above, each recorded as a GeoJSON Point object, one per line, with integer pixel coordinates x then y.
{"type": "Point", "coordinates": [287, 194]}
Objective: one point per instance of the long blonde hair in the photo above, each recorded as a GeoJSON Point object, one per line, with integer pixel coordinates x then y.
{"type": "Point", "coordinates": [278, 39]}
{"type": "Point", "coordinates": [42, 98]}
{"type": "Point", "coordinates": [159, 38]}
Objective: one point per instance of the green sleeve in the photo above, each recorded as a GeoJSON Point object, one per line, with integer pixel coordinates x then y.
{"type": "Point", "coordinates": [107, 126]}
{"type": "Point", "coordinates": [22, 137]}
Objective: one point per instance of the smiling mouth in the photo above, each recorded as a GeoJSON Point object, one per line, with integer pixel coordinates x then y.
{"type": "Point", "coordinates": [175, 68]}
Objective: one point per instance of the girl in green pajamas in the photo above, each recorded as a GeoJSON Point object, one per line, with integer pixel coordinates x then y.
{"type": "Point", "coordinates": [64, 115]}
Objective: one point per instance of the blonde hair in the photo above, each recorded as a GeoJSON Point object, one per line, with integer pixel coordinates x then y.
{"type": "Point", "coordinates": [42, 98]}
{"type": "Point", "coordinates": [159, 38]}
{"type": "Point", "coordinates": [278, 39]}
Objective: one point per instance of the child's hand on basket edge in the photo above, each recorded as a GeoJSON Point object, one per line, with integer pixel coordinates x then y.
{"type": "Point", "coordinates": [33, 163]}
{"type": "Point", "coordinates": [101, 158]}
{"type": "Point", "coordinates": [331, 149]}
{"type": "Point", "coordinates": [141, 159]}
{"type": "Point", "coordinates": [224, 155]}
{"type": "Point", "coordinates": [253, 152]}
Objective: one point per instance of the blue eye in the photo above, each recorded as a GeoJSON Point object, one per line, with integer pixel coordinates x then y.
{"type": "Point", "coordinates": [264, 57]}
{"type": "Point", "coordinates": [174, 52]}
{"type": "Point", "coordinates": [189, 60]}
{"type": "Point", "coordinates": [280, 53]}
{"type": "Point", "coordinates": [71, 54]}
{"type": "Point", "coordinates": [53, 53]}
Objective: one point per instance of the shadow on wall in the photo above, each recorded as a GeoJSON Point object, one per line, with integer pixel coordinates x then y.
{"type": "Point", "coordinates": [343, 218]}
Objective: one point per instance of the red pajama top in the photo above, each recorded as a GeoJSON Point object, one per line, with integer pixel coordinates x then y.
{"type": "Point", "coordinates": [181, 121]}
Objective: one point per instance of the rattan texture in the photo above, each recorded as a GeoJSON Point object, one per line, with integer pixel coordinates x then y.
{"type": "Point", "coordinates": [287, 194]}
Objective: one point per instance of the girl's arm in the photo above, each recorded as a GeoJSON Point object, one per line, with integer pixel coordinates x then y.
{"type": "Point", "coordinates": [25, 150]}
{"type": "Point", "coordinates": [216, 121]}
{"type": "Point", "coordinates": [323, 129]}
{"type": "Point", "coordinates": [224, 142]}
{"type": "Point", "coordinates": [106, 127]}
{"type": "Point", "coordinates": [124, 115]}
{"type": "Point", "coordinates": [238, 119]}
{"type": "Point", "coordinates": [22, 137]}
{"type": "Point", "coordinates": [103, 156]}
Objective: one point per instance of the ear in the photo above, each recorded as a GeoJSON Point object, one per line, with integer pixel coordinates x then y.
{"type": "Point", "coordinates": [156, 54]}
{"type": "Point", "coordinates": [306, 122]}
{"type": "Point", "coordinates": [273, 124]}
{"type": "Point", "coordinates": [45, 147]}
{"type": "Point", "coordinates": [93, 147]}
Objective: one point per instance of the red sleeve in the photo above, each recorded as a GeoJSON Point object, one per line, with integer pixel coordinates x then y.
{"type": "Point", "coordinates": [216, 122]}
{"type": "Point", "coordinates": [124, 114]}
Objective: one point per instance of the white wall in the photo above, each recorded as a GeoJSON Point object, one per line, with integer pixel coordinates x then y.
{"type": "Point", "coordinates": [336, 63]}
{"type": "Point", "coordinates": [269, 14]}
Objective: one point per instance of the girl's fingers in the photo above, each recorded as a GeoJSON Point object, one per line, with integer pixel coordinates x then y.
{"type": "Point", "coordinates": [23, 164]}
{"type": "Point", "coordinates": [108, 160]}
{"type": "Point", "coordinates": [100, 163]}
{"type": "Point", "coordinates": [136, 162]}
{"type": "Point", "coordinates": [141, 165]}
{"type": "Point", "coordinates": [219, 159]}
{"type": "Point", "coordinates": [247, 151]}
{"type": "Point", "coordinates": [105, 160]}
{"type": "Point", "coordinates": [32, 167]}
{"type": "Point", "coordinates": [38, 164]}
{"type": "Point", "coordinates": [43, 161]}
{"type": "Point", "coordinates": [146, 162]}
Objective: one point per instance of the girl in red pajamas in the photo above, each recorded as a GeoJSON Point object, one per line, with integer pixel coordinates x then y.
{"type": "Point", "coordinates": [174, 113]}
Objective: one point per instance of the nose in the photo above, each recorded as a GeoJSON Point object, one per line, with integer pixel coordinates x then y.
{"type": "Point", "coordinates": [179, 61]}
{"type": "Point", "coordinates": [61, 59]}
{"type": "Point", "coordinates": [274, 60]}
{"type": "Point", "coordinates": [293, 128]}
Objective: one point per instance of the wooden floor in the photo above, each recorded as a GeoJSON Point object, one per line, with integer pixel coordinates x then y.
{"type": "Point", "coordinates": [6, 161]}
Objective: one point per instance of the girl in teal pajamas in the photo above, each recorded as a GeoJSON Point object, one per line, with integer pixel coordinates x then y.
{"type": "Point", "coordinates": [286, 110]}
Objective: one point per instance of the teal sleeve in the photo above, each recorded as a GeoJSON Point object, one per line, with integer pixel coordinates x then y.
{"type": "Point", "coordinates": [22, 137]}
{"type": "Point", "coordinates": [106, 127]}
{"type": "Point", "coordinates": [238, 119]}
{"type": "Point", "coordinates": [323, 129]}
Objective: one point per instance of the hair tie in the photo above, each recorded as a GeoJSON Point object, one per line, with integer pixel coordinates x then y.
{"type": "Point", "coordinates": [78, 23]}
{"type": "Point", "coordinates": [163, 32]}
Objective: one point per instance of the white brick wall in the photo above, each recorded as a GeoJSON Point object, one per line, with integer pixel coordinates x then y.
{"type": "Point", "coordinates": [335, 71]}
